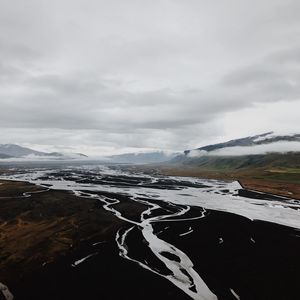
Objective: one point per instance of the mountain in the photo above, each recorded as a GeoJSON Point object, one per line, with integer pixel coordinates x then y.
{"type": "Point", "coordinates": [15, 151]}
{"type": "Point", "coordinates": [264, 151]}
{"type": "Point", "coordinates": [4, 156]}
{"type": "Point", "coordinates": [265, 138]}
{"type": "Point", "coordinates": [270, 160]}
{"type": "Point", "coordinates": [142, 158]}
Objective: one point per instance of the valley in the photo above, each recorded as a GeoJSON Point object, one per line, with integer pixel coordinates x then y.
{"type": "Point", "coordinates": [79, 231]}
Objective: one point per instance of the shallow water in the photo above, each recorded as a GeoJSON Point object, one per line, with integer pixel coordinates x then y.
{"type": "Point", "coordinates": [169, 199]}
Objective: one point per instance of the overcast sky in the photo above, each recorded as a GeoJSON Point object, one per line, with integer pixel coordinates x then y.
{"type": "Point", "coordinates": [104, 77]}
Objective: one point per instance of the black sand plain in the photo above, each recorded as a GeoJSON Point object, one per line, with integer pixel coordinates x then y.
{"type": "Point", "coordinates": [41, 237]}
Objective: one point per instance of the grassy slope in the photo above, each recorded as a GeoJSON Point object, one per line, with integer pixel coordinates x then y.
{"type": "Point", "coordinates": [273, 173]}
{"type": "Point", "coordinates": [273, 166]}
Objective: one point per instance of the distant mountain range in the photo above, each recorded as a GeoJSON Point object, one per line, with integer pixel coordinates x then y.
{"type": "Point", "coordinates": [10, 151]}
{"type": "Point", "coordinates": [143, 158]}
{"type": "Point", "coordinates": [233, 152]}
{"type": "Point", "coordinates": [263, 149]}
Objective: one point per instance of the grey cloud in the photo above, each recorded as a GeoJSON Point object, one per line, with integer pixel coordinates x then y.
{"type": "Point", "coordinates": [287, 56]}
{"type": "Point", "coordinates": [271, 79]}
{"type": "Point", "coordinates": [71, 101]}
{"type": "Point", "coordinates": [18, 53]}
{"type": "Point", "coordinates": [8, 72]}
{"type": "Point", "coordinates": [138, 74]}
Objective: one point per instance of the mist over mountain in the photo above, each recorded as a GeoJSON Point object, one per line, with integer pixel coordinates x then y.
{"type": "Point", "coordinates": [269, 138]}
{"type": "Point", "coordinates": [12, 151]}
{"type": "Point", "coordinates": [259, 145]}
{"type": "Point", "coordinates": [143, 158]}
{"type": "Point", "coordinates": [264, 150]}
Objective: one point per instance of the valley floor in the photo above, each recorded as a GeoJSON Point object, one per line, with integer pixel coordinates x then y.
{"type": "Point", "coordinates": [56, 244]}
{"type": "Point", "coordinates": [278, 182]}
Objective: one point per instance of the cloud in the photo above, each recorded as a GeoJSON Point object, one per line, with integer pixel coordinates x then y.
{"type": "Point", "coordinates": [197, 153]}
{"type": "Point", "coordinates": [277, 147]}
{"type": "Point", "coordinates": [165, 74]}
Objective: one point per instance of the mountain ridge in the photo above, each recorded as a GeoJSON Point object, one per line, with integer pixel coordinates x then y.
{"type": "Point", "coordinates": [221, 157]}
{"type": "Point", "coordinates": [143, 157]}
{"type": "Point", "coordinates": [260, 139]}
{"type": "Point", "coordinates": [10, 151]}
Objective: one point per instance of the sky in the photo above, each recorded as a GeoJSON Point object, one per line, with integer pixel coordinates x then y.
{"type": "Point", "coordinates": [107, 77]}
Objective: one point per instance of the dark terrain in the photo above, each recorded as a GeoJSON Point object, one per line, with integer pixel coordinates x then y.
{"type": "Point", "coordinates": [44, 234]}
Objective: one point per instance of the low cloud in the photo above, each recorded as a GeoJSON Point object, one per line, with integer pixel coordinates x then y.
{"type": "Point", "coordinates": [278, 147]}
{"type": "Point", "coordinates": [197, 153]}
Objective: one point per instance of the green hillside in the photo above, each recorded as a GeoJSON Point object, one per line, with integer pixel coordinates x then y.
{"type": "Point", "coordinates": [273, 166]}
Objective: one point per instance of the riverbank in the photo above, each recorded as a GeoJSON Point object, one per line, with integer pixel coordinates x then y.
{"type": "Point", "coordinates": [57, 244]}
{"type": "Point", "coordinates": [277, 183]}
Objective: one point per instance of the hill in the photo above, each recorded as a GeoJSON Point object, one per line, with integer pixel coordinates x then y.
{"type": "Point", "coordinates": [11, 151]}
{"type": "Point", "coordinates": [266, 162]}
{"type": "Point", "coordinates": [142, 157]}
{"type": "Point", "coordinates": [250, 141]}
